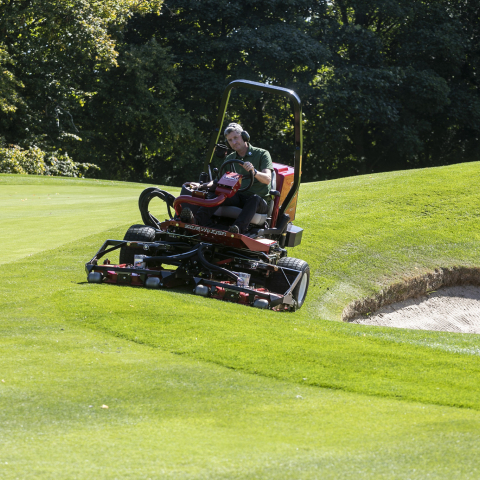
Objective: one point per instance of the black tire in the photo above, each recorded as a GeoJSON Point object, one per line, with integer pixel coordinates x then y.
{"type": "Point", "coordinates": [280, 285]}
{"type": "Point", "coordinates": [137, 233]}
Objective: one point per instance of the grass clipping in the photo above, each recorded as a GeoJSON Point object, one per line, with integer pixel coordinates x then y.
{"type": "Point", "coordinates": [412, 288]}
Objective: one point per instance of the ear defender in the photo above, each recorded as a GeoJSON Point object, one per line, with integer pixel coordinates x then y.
{"type": "Point", "coordinates": [245, 136]}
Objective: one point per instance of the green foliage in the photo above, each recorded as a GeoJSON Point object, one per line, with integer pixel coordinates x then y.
{"type": "Point", "coordinates": [58, 49]}
{"type": "Point", "coordinates": [63, 165]}
{"type": "Point", "coordinates": [34, 161]}
{"type": "Point", "coordinates": [214, 42]}
{"type": "Point", "coordinates": [385, 84]}
{"type": "Point", "coordinates": [17, 160]}
{"type": "Point", "coordinates": [394, 94]}
{"type": "Point", "coordinates": [9, 98]}
{"type": "Point", "coordinates": [134, 127]}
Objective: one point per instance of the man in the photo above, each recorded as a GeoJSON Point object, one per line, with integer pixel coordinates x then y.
{"type": "Point", "coordinates": [256, 198]}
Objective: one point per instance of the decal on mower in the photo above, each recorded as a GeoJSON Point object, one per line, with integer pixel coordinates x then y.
{"type": "Point", "coordinates": [200, 229]}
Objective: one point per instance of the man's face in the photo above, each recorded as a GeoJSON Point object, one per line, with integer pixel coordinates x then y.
{"type": "Point", "coordinates": [235, 141]}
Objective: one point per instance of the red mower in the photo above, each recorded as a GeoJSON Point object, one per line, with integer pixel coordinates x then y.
{"type": "Point", "coordinates": [251, 268]}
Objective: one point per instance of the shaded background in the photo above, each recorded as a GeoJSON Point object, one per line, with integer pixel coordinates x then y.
{"type": "Point", "coordinates": [385, 84]}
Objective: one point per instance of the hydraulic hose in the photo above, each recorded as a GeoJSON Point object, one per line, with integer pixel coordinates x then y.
{"type": "Point", "coordinates": [176, 258]}
{"type": "Point", "coordinates": [202, 202]}
{"type": "Point", "coordinates": [144, 200]}
{"type": "Point", "coordinates": [211, 266]}
{"type": "Point", "coordinates": [196, 251]}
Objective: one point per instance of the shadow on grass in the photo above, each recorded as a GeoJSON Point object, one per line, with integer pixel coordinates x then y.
{"type": "Point", "coordinates": [185, 290]}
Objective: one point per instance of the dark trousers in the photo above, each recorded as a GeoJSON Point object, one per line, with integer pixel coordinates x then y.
{"type": "Point", "coordinates": [250, 204]}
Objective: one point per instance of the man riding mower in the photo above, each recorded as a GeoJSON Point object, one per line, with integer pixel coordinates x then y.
{"type": "Point", "coordinates": [228, 244]}
{"type": "Point", "coordinates": [252, 200]}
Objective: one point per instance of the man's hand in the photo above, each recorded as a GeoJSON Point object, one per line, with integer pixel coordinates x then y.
{"type": "Point", "coordinates": [248, 167]}
{"type": "Point", "coordinates": [265, 176]}
{"type": "Point", "coordinates": [202, 186]}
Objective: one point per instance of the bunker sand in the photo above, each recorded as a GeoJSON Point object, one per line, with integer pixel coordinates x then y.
{"type": "Point", "coordinates": [449, 309]}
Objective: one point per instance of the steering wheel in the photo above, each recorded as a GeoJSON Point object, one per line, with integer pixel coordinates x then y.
{"type": "Point", "coordinates": [250, 175]}
{"type": "Point", "coordinates": [187, 189]}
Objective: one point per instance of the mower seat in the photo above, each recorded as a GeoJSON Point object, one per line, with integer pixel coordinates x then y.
{"type": "Point", "coordinates": [233, 212]}
{"type": "Point", "coordinates": [258, 219]}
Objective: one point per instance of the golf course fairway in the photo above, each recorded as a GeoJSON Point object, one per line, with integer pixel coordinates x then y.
{"type": "Point", "coordinates": [110, 382]}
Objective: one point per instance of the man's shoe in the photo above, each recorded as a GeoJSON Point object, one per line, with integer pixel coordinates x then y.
{"type": "Point", "coordinates": [233, 229]}
{"type": "Point", "coordinates": [186, 216]}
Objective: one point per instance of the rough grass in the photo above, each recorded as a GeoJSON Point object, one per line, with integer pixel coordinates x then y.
{"type": "Point", "coordinates": [198, 388]}
{"type": "Point", "coordinates": [368, 232]}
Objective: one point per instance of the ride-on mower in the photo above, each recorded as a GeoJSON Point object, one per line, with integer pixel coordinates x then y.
{"type": "Point", "coordinates": [251, 268]}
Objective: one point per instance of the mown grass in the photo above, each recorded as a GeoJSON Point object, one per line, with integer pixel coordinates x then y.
{"type": "Point", "coordinates": [41, 213]}
{"type": "Point", "coordinates": [158, 359]}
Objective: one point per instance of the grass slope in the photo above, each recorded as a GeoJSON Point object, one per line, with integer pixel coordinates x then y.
{"type": "Point", "coordinates": [157, 358]}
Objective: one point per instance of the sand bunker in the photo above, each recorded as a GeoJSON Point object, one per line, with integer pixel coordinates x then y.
{"type": "Point", "coordinates": [451, 309]}
{"type": "Point", "coordinates": [447, 299]}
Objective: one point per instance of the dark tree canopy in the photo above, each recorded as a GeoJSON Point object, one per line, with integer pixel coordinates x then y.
{"type": "Point", "coordinates": [134, 86]}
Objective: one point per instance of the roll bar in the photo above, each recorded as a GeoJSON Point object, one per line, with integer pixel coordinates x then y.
{"type": "Point", "coordinates": [297, 118]}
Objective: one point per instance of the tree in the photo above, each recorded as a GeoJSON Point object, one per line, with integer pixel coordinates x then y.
{"type": "Point", "coordinates": [216, 41]}
{"type": "Point", "coordinates": [133, 127]}
{"type": "Point", "coordinates": [393, 95]}
{"type": "Point", "coordinates": [381, 80]}
{"type": "Point", "coordinates": [385, 84]}
{"type": "Point", "coordinates": [57, 49]}
{"type": "Point", "coordinates": [9, 98]}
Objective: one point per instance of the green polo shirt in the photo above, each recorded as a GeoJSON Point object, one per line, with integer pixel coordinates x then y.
{"type": "Point", "coordinates": [261, 160]}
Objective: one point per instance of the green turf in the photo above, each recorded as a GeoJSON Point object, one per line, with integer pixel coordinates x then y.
{"type": "Point", "coordinates": [198, 388]}
{"type": "Point", "coordinates": [40, 213]}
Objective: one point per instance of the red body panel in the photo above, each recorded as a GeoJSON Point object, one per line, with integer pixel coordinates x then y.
{"type": "Point", "coordinates": [227, 187]}
{"type": "Point", "coordinates": [285, 176]}
{"type": "Point", "coordinates": [203, 202]}
{"type": "Point", "coordinates": [229, 184]}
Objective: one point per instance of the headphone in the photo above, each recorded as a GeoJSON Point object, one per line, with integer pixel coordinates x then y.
{"type": "Point", "coordinates": [244, 134]}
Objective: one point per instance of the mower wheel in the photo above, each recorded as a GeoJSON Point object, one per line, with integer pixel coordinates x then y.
{"type": "Point", "coordinates": [152, 282]}
{"type": "Point", "coordinates": [201, 290]}
{"type": "Point", "coordinates": [136, 233]}
{"type": "Point", "coordinates": [94, 277]}
{"type": "Point", "coordinates": [300, 291]}
{"type": "Point", "coordinates": [261, 303]}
